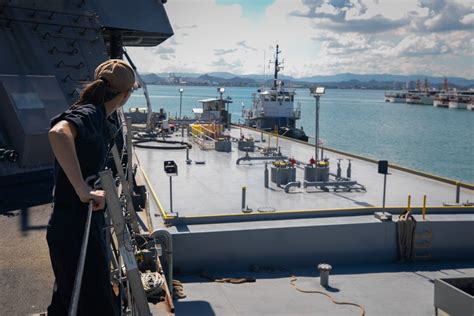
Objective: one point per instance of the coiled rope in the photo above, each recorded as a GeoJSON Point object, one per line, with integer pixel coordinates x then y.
{"type": "Point", "coordinates": [152, 284]}
{"type": "Point", "coordinates": [406, 226]}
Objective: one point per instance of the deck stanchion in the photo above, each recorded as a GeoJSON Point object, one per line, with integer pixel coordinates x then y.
{"type": "Point", "coordinates": [266, 175]}
{"type": "Point", "coordinates": [244, 190]}
{"type": "Point", "coordinates": [458, 191]}
{"type": "Point", "coordinates": [171, 195]}
{"type": "Point", "coordinates": [423, 211]}
{"type": "Point", "coordinates": [276, 132]}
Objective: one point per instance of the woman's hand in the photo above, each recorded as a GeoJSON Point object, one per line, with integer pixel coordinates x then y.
{"type": "Point", "coordinates": [97, 197]}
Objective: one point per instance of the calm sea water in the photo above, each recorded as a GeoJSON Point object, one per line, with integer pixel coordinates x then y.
{"type": "Point", "coordinates": [435, 140]}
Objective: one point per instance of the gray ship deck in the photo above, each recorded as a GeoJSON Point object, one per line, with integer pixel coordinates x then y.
{"type": "Point", "coordinates": [215, 188]}
{"type": "Point", "coordinates": [306, 227]}
{"type": "Point", "coordinates": [388, 289]}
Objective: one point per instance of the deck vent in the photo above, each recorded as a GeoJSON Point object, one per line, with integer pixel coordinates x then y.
{"type": "Point", "coordinates": [324, 270]}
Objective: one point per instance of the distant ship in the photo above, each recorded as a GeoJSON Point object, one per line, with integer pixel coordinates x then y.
{"type": "Point", "coordinates": [395, 97]}
{"type": "Point", "coordinates": [423, 96]}
{"type": "Point", "coordinates": [461, 99]}
{"type": "Point", "coordinates": [273, 109]}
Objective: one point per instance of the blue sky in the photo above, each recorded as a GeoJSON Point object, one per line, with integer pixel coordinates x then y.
{"type": "Point", "coordinates": [252, 9]}
{"type": "Point", "coordinates": [317, 37]}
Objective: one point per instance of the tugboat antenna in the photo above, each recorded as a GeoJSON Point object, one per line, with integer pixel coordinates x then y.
{"type": "Point", "coordinates": [277, 68]}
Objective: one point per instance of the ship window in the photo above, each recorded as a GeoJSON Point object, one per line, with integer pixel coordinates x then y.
{"type": "Point", "coordinates": [273, 98]}
{"type": "Point", "coordinates": [27, 100]}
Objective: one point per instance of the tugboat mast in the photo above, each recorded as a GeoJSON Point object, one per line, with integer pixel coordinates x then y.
{"type": "Point", "coordinates": [277, 68]}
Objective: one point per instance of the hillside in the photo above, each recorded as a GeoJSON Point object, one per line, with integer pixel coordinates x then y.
{"type": "Point", "coordinates": [339, 81]}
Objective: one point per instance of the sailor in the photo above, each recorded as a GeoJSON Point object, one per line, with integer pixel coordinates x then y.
{"type": "Point", "coordinates": [80, 138]}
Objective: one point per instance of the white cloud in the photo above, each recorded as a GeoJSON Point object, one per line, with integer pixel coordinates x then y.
{"type": "Point", "coordinates": [164, 50]}
{"type": "Point", "coordinates": [468, 19]}
{"type": "Point", "coordinates": [445, 16]}
{"type": "Point", "coordinates": [244, 45]}
{"type": "Point", "coordinates": [231, 65]}
{"type": "Point", "coordinates": [318, 37]}
{"type": "Point", "coordinates": [177, 27]}
{"type": "Point", "coordinates": [415, 45]}
{"type": "Point", "coordinates": [222, 51]}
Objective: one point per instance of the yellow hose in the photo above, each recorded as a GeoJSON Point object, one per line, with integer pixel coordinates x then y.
{"type": "Point", "coordinates": [293, 280]}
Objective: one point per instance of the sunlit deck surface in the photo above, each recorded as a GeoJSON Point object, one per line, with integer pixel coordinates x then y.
{"type": "Point", "coordinates": [389, 289]}
{"type": "Point", "coordinates": [216, 186]}
{"type": "Point", "coordinates": [214, 235]}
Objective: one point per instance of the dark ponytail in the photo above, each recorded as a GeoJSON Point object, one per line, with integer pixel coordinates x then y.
{"type": "Point", "coordinates": [96, 92]}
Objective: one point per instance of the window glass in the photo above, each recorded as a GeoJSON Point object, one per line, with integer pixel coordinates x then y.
{"type": "Point", "coordinates": [27, 100]}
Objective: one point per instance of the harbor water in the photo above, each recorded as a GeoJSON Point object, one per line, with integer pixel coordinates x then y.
{"type": "Point", "coordinates": [439, 141]}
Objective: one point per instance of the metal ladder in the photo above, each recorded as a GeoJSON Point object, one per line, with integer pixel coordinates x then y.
{"type": "Point", "coordinates": [422, 244]}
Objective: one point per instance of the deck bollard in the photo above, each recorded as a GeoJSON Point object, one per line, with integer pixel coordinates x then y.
{"type": "Point", "coordinates": [188, 161]}
{"type": "Point", "coordinates": [458, 191]}
{"type": "Point", "coordinates": [244, 191]}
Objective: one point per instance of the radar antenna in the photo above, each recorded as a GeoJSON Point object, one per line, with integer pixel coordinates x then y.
{"type": "Point", "coordinates": [278, 67]}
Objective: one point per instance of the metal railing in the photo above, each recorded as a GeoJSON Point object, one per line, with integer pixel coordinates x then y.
{"type": "Point", "coordinates": [204, 136]}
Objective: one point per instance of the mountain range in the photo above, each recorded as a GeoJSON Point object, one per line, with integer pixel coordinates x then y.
{"type": "Point", "coordinates": [343, 80]}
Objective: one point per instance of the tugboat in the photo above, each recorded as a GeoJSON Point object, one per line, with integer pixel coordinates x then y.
{"type": "Point", "coordinates": [273, 109]}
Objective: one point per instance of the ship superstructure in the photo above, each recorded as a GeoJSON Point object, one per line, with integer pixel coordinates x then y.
{"type": "Point", "coordinates": [49, 49]}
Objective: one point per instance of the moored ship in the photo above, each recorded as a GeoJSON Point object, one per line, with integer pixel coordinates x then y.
{"type": "Point", "coordinates": [461, 99]}
{"type": "Point", "coordinates": [441, 100]}
{"type": "Point", "coordinates": [395, 97]}
{"type": "Point", "coordinates": [423, 96]}
{"type": "Point", "coordinates": [273, 109]}
{"type": "Point", "coordinates": [470, 105]}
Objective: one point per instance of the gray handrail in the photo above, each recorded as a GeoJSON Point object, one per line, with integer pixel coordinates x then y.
{"type": "Point", "coordinates": [80, 265]}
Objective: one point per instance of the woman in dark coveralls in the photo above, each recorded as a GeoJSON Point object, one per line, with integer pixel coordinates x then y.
{"type": "Point", "coordinates": [80, 139]}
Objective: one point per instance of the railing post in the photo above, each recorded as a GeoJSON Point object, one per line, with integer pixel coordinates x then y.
{"type": "Point", "coordinates": [265, 175]}
{"type": "Point", "coordinates": [423, 211]}
{"type": "Point", "coordinates": [244, 190]}
{"type": "Point", "coordinates": [458, 191]}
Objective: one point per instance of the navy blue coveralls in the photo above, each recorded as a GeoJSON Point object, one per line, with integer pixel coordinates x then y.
{"type": "Point", "coordinates": [66, 226]}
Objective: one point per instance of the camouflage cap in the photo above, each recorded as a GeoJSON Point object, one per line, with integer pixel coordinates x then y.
{"type": "Point", "coordinates": [117, 73]}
